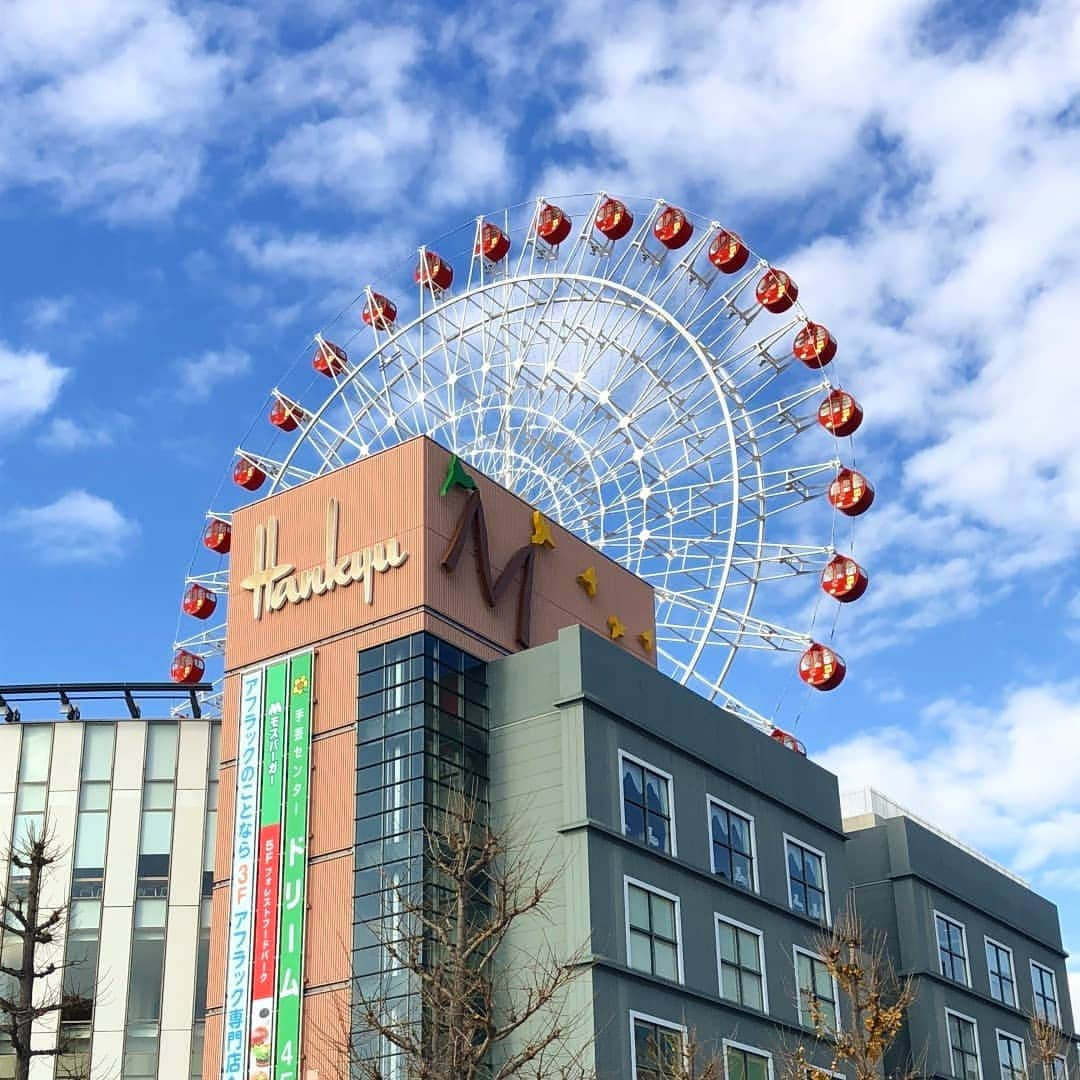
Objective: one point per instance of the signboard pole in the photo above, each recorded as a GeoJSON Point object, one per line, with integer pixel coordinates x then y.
{"type": "Point", "coordinates": [268, 887]}
{"type": "Point", "coordinates": [294, 871]}
{"type": "Point", "coordinates": [245, 824]}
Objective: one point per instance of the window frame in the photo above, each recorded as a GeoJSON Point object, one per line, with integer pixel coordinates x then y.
{"type": "Point", "coordinates": [998, 1032]}
{"type": "Point", "coordinates": [710, 801]}
{"type": "Point", "coordinates": [717, 919]}
{"type": "Point", "coordinates": [789, 839]}
{"type": "Point", "coordinates": [987, 941]}
{"type": "Point", "coordinates": [967, 949]}
{"type": "Point", "coordinates": [670, 781]}
{"type": "Point", "coordinates": [948, 1040]}
{"type": "Point", "coordinates": [796, 950]}
{"type": "Point", "coordinates": [1064, 1059]}
{"type": "Point", "coordinates": [646, 887]}
{"type": "Point", "coordinates": [646, 1018]}
{"type": "Point", "coordinates": [746, 1048]}
{"type": "Point", "coordinates": [1032, 965]}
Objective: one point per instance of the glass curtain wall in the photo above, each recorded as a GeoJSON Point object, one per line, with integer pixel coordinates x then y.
{"type": "Point", "coordinates": [422, 737]}
{"type": "Point", "coordinates": [151, 900]}
{"type": "Point", "coordinates": [87, 885]}
{"type": "Point", "coordinates": [31, 795]}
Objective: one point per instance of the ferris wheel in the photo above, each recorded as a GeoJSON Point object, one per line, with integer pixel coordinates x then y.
{"type": "Point", "coordinates": [636, 373]}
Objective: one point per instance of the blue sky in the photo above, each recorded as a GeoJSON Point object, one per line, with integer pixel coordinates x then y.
{"type": "Point", "coordinates": [188, 191]}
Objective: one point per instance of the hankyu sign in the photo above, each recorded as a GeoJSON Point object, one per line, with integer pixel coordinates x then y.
{"type": "Point", "coordinates": [273, 584]}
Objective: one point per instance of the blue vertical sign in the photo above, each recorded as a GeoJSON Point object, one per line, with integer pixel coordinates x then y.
{"type": "Point", "coordinates": [241, 918]}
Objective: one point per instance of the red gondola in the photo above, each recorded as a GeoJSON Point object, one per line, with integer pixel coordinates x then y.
{"type": "Point", "coordinates": [248, 475]}
{"type": "Point", "coordinates": [821, 668]}
{"type": "Point", "coordinates": [285, 416]}
{"type": "Point", "coordinates": [187, 667]}
{"type": "Point", "coordinates": [786, 739]}
{"type": "Point", "coordinates": [552, 226]}
{"type": "Point", "coordinates": [776, 292]}
{"type": "Point", "coordinates": [673, 228]}
{"type": "Point", "coordinates": [199, 601]}
{"type": "Point", "coordinates": [432, 270]}
{"type": "Point", "coordinates": [840, 413]}
{"type": "Point", "coordinates": [613, 219]}
{"type": "Point", "coordinates": [851, 493]}
{"type": "Point", "coordinates": [727, 252]}
{"type": "Point", "coordinates": [329, 359]}
{"type": "Point", "coordinates": [493, 243]}
{"type": "Point", "coordinates": [814, 345]}
{"type": "Point", "coordinates": [844, 579]}
{"type": "Point", "coordinates": [379, 312]}
{"type": "Point", "coordinates": [218, 536]}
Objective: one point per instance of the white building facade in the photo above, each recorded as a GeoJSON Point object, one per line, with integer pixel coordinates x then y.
{"type": "Point", "coordinates": [132, 806]}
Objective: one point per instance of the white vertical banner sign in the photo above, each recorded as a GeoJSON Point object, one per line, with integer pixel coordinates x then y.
{"type": "Point", "coordinates": [238, 955]}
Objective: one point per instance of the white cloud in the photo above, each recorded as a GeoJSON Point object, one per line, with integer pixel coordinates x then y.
{"type": "Point", "coordinates": [65, 434]}
{"type": "Point", "coordinates": [1004, 779]}
{"type": "Point", "coordinates": [200, 375]}
{"type": "Point", "coordinates": [49, 311]}
{"type": "Point", "coordinates": [29, 384]}
{"type": "Point", "coordinates": [76, 527]}
{"type": "Point", "coordinates": [305, 255]}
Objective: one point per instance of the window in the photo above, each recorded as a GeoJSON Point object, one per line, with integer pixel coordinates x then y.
{"type": "Point", "coordinates": [816, 989]}
{"type": "Point", "coordinates": [80, 972]}
{"type": "Point", "coordinates": [652, 930]}
{"type": "Point", "coordinates": [952, 949]}
{"type": "Point", "coordinates": [1044, 987]}
{"type": "Point", "coordinates": [646, 799]}
{"type": "Point", "coordinates": [999, 961]}
{"type": "Point", "coordinates": [1011, 1057]}
{"type": "Point", "coordinates": [963, 1046]}
{"type": "Point", "coordinates": [746, 1062]}
{"type": "Point", "coordinates": [740, 954]}
{"type": "Point", "coordinates": [147, 961]}
{"type": "Point", "coordinates": [807, 884]}
{"type": "Point", "coordinates": [1059, 1070]}
{"type": "Point", "coordinates": [155, 838]}
{"type": "Point", "coordinates": [656, 1048]}
{"type": "Point", "coordinates": [732, 845]}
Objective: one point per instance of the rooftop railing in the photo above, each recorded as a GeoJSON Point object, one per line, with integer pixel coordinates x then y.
{"type": "Point", "coordinates": [69, 697]}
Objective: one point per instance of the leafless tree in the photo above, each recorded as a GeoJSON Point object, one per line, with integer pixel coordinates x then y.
{"type": "Point", "coordinates": [28, 999]}
{"type": "Point", "coordinates": [481, 1010]}
{"type": "Point", "coordinates": [1047, 1044]}
{"type": "Point", "coordinates": [873, 1004]}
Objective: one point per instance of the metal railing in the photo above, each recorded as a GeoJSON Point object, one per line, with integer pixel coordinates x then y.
{"type": "Point", "coordinates": [67, 696]}
{"type": "Point", "coordinates": [869, 800]}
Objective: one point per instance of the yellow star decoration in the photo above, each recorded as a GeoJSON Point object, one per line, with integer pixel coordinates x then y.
{"type": "Point", "coordinates": [588, 581]}
{"type": "Point", "coordinates": [646, 639]}
{"type": "Point", "coordinates": [615, 628]}
{"type": "Point", "coordinates": [300, 684]}
{"type": "Point", "coordinates": [541, 533]}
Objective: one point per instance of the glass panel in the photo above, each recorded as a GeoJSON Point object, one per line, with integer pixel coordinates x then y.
{"type": "Point", "coordinates": [748, 951]}
{"type": "Point", "coordinates": [730, 981]}
{"type": "Point", "coordinates": [740, 834]}
{"type": "Point", "coordinates": [741, 871]}
{"type": "Point", "coordinates": [736, 1065]}
{"type": "Point", "coordinates": [150, 914]}
{"type": "Point", "coordinates": [815, 905]}
{"type": "Point", "coordinates": [98, 752]}
{"type": "Point", "coordinates": [80, 975]}
{"type": "Point", "coordinates": [757, 1068]}
{"type": "Point", "coordinates": [663, 917]}
{"type": "Point", "coordinates": [794, 861]}
{"type": "Point", "coordinates": [90, 845]}
{"type": "Point", "coordinates": [94, 796]}
{"type": "Point", "coordinates": [633, 821]}
{"type": "Point", "coordinates": [84, 915]}
{"type": "Point", "coordinates": [161, 751]}
{"type": "Point", "coordinates": [158, 796]}
{"type": "Point", "coordinates": [752, 993]}
{"type": "Point", "coordinates": [798, 897]}
{"type": "Point", "coordinates": [147, 960]}
{"type": "Point", "coordinates": [667, 963]}
{"type": "Point", "coordinates": [31, 798]}
{"type": "Point", "coordinates": [639, 907]}
{"type": "Point", "coordinates": [812, 870]}
{"type": "Point", "coordinates": [656, 793]}
{"type": "Point", "coordinates": [719, 825]}
{"type": "Point", "coordinates": [823, 986]}
{"type": "Point", "coordinates": [640, 951]}
{"type": "Point", "coordinates": [726, 935]}
{"type": "Point", "coordinates": [35, 754]}
{"type": "Point", "coordinates": [156, 832]}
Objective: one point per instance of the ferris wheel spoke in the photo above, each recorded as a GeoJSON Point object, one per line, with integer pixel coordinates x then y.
{"type": "Point", "coordinates": [208, 642]}
{"type": "Point", "coordinates": [215, 581]}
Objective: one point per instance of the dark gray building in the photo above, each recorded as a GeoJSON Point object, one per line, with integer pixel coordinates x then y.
{"type": "Point", "coordinates": [984, 948]}
{"type": "Point", "coordinates": [701, 861]}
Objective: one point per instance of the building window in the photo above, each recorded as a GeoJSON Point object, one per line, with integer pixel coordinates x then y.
{"type": "Point", "coordinates": [741, 959]}
{"type": "Point", "coordinates": [746, 1062]}
{"type": "Point", "coordinates": [732, 845]}
{"type": "Point", "coordinates": [999, 962]}
{"type": "Point", "coordinates": [155, 838]}
{"type": "Point", "coordinates": [652, 930]}
{"type": "Point", "coordinates": [1011, 1057]}
{"type": "Point", "coordinates": [35, 757]}
{"type": "Point", "coordinates": [963, 1046]}
{"type": "Point", "coordinates": [807, 883]}
{"type": "Point", "coordinates": [1044, 986]}
{"type": "Point", "coordinates": [816, 991]}
{"type": "Point", "coordinates": [952, 949]}
{"type": "Point", "coordinates": [1059, 1069]}
{"type": "Point", "coordinates": [656, 1049]}
{"type": "Point", "coordinates": [646, 804]}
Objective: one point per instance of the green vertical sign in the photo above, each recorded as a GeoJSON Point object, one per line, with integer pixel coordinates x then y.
{"type": "Point", "coordinates": [296, 775]}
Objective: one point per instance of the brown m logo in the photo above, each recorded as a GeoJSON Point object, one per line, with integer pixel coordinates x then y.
{"type": "Point", "coordinates": [472, 520]}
